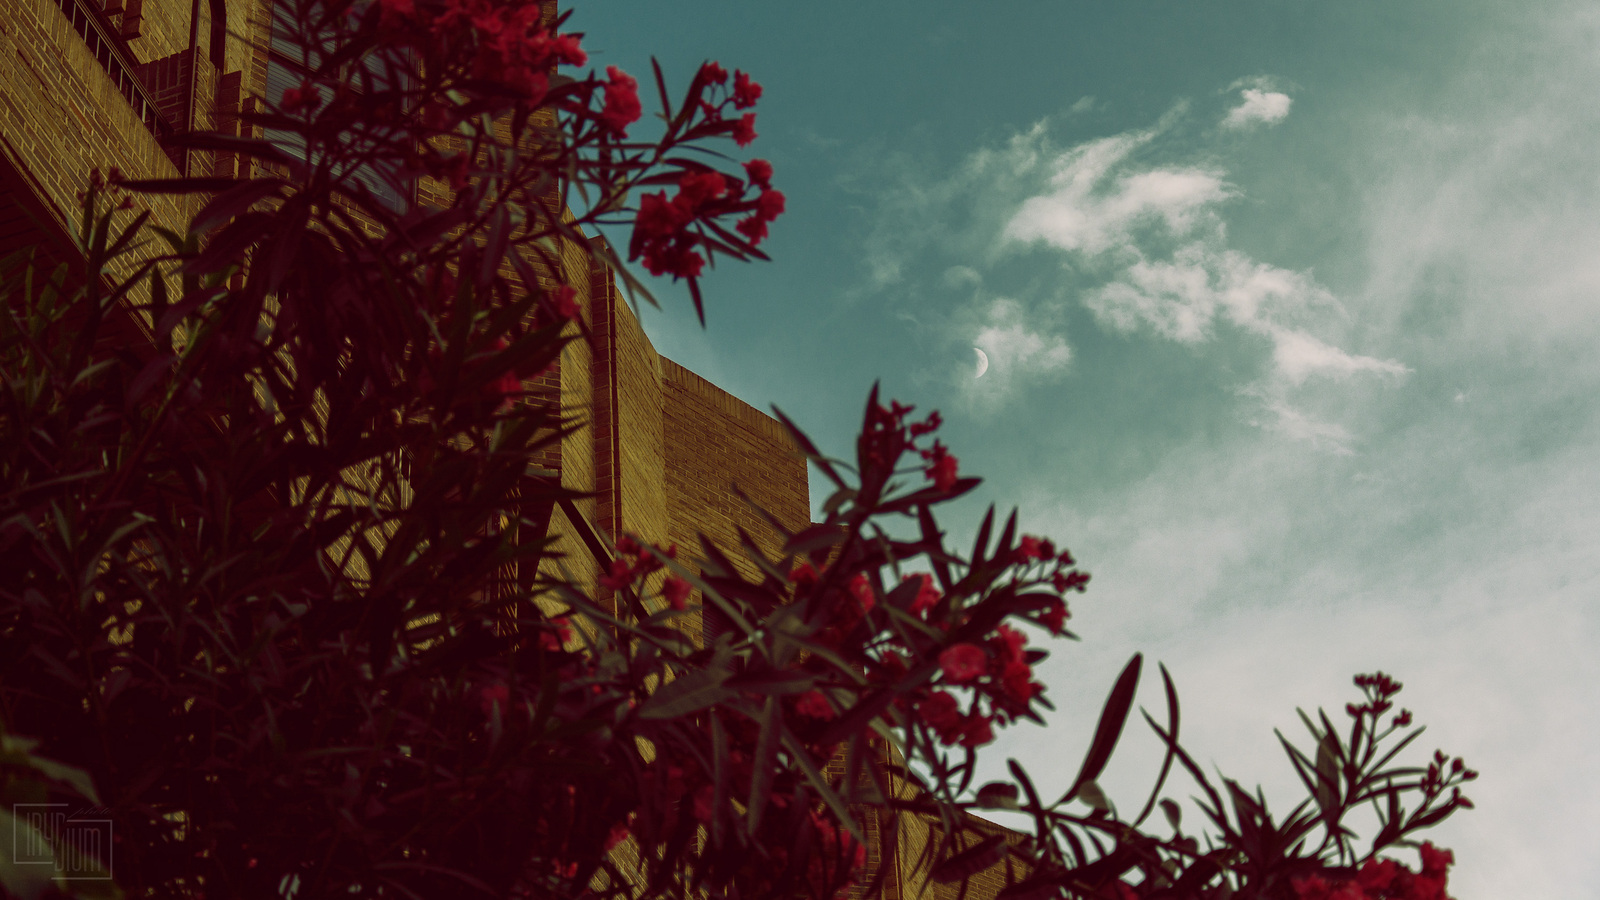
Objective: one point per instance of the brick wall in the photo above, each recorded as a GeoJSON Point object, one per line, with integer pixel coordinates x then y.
{"type": "Point", "coordinates": [716, 442]}
{"type": "Point", "coordinates": [61, 115]}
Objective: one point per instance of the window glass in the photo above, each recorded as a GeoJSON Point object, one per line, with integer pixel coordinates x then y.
{"type": "Point", "coordinates": [284, 71]}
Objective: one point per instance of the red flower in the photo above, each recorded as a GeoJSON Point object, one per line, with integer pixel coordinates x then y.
{"type": "Point", "coordinates": [927, 594]}
{"type": "Point", "coordinates": [556, 639]}
{"type": "Point", "coordinates": [658, 218]}
{"type": "Point", "coordinates": [678, 260]}
{"type": "Point", "coordinates": [752, 227]}
{"type": "Point", "coordinates": [745, 91]}
{"type": "Point", "coordinates": [622, 101]}
{"type": "Point", "coordinates": [713, 73]}
{"type": "Point", "coordinates": [943, 715]}
{"type": "Point", "coordinates": [963, 663]}
{"type": "Point", "coordinates": [620, 576]}
{"type": "Point", "coordinates": [770, 204]}
{"type": "Point", "coordinates": [393, 12]}
{"type": "Point", "coordinates": [815, 705]}
{"type": "Point", "coordinates": [861, 589]}
{"type": "Point", "coordinates": [1009, 643]}
{"type": "Point", "coordinates": [1434, 860]}
{"type": "Point", "coordinates": [565, 301]}
{"type": "Point", "coordinates": [977, 731]}
{"type": "Point", "coordinates": [1055, 618]}
{"type": "Point", "coordinates": [676, 590]}
{"type": "Point", "coordinates": [927, 426]}
{"type": "Point", "coordinates": [744, 130]}
{"type": "Point", "coordinates": [1032, 548]}
{"type": "Point", "coordinates": [1016, 679]}
{"type": "Point", "coordinates": [941, 469]}
{"type": "Point", "coordinates": [695, 188]}
{"type": "Point", "coordinates": [804, 574]}
{"type": "Point", "coordinates": [618, 833]}
{"type": "Point", "coordinates": [1312, 887]}
{"type": "Point", "coordinates": [307, 95]}
{"type": "Point", "coordinates": [759, 170]}
{"type": "Point", "coordinates": [564, 47]}
{"type": "Point", "coordinates": [1377, 874]}
{"type": "Point", "coordinates": [1069, 581]}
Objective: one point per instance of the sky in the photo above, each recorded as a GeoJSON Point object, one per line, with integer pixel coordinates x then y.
{"type": "Point", "coordinates": [1291, 312]}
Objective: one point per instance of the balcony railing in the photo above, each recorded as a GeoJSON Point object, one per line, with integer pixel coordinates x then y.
{"type": "Point", "coordinates": [114, 59]}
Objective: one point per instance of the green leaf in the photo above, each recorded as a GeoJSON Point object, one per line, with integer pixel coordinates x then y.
{"type": "Point", "coordinates": [18, 751]}
{"type": "Point", "coordinates": [766, 754]}
{"type": "Point", "coordinates": [1112, 718]}
{"type": "Point", "coordinates": [819, 783]}
{"type": "Point", "coordinates": [772, 682]}
{"type": "Point", "coordinates": [1328, 775]}
{"type": "Point", "coordinates": [1089, 793]}
{"type": "Point", "coordinates": [24, 880]}
{"type": "Point", "coordinates": [687, 694]}
{"type": "Point", "coordinates": [971, 861]}
{"type": "Point", "coordinates": [1172, 811]}
{"type": "Point", "coordinates": [998, 795]}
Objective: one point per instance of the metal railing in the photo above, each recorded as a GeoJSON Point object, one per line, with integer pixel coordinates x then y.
{"type": "Point", "coordinates": [114, 59]}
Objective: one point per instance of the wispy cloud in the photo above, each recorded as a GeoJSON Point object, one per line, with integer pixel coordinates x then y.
{"type": "Point", "coordinates": [1022, 346]}
{"type": "Point", "coordinates": [1159, 231]}
{"type": "Point", "coordinates": [1259, 107]}
{"type": "Point", "coordinates": [1076, 214]}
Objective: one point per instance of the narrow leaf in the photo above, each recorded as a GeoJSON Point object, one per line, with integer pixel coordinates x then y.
{"type": "Point", "coordinates": [1112, 718]}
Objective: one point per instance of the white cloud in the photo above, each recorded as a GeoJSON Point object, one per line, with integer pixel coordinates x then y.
{"type": "Point", "coordinates": [1099, 207]}
{"type": "Point", "coordinates": [1298, 355]}
{"type": "Point", "coordinates": [1259, 106]}
{"type": "Point", "coordinates": [1074, 215]}
{"type": "Point", "coordinates": [1020, 348]}
{"type": "Point", "coordinates": [1011, 343]}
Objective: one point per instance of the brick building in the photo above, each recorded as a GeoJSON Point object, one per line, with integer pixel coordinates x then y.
{"type": "Point", "coordinates": [88, 84]}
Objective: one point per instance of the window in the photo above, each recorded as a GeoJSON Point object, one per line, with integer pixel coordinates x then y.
{"type": "Point", "coordinates": [286, 68]}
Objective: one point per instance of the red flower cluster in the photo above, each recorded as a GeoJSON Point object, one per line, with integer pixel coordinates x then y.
{"type": "Point", "coordinates": [635, 561]}
{"type": "Point", "coordinates": [769, 205]}
{"type": "Point", "coordinates": [886, 435]}
{"type": "Point", "coordinates": [664, 233]}
{"type": "Point", "coordinates": [1384, 880]}
{"type": "Point", "coordinates": [1031, 550]}
{"type": "Point", "coordinates": [943, 714]}
{"type": "Point", "coordinates": [745, 91]}
{"type": "Point", "coordinates": [556, 636]}
{"type": "Point", "coordinates": [963, 663]}
{"type": "Point", "coordinates": [307, 96]}
{"type": "Point", "coordinates": [941, 468]}
{"type": "Point", "coordinates": [861, 589]}
{"type": "Point", "coordinates": [744, 95]}
{"type": "Point", "coordinates": [622, 101]}
{"type": "Point", "coordinates": [1012, 671]}
{"type": "Point", "coordinates": [814, 704]}
{"type": "Point", "coordinates": [564, 300]}
{"type": "Point", "coordinates": [509, 43]}
{"type": "Point", "coordinates": [661, 230]}
{"type": "Point", "coordinates": [927, 596]}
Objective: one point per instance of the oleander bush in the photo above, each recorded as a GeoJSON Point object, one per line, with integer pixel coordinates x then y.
{"type": "Point", "coordinates": [260, 487]}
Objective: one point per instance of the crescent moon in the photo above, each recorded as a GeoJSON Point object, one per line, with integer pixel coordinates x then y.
{"type": "Point", "coordinates": [983, 362]}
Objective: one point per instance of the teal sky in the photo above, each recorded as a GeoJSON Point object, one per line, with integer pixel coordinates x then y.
{"type": "Point", "coordinates": [1291, 311]}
